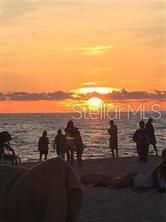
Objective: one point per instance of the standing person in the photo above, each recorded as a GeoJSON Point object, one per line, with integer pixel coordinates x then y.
{"type": "Point", "coordinates": [73, 143]}
{"type": "Point", "coordinates": [141, 139]}
{"type": "Point", "coordinates": [60, 144]}
{"type": "Point", "coordinates": [70, 141]}
{"type": "Point", "coordinates": [79, 147]}
{"type": "Point", "coordinates": [113, 141]}
{"type": "Point", "coordinates": [151, 135]}
{"type": "Point", "coordinates": [43, 145]}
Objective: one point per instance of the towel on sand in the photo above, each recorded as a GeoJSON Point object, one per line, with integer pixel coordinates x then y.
{"type": "Point", "coordinates": [47, 192]}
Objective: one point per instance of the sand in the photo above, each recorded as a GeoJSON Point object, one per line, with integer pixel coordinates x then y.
{"type": "Point", "coordinates": [103, 204]}
{"type": "Point", "coordinates": [107, 205]}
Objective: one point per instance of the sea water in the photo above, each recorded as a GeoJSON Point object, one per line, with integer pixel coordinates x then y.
{"type": "Point", "coordinates": [27, 128]}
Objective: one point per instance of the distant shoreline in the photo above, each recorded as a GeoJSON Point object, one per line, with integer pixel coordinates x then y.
{"type": "Point", "coordinates": [69, 113]}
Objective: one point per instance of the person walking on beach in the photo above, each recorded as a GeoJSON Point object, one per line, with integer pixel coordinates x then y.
{"type": "Point", "coordinates": [141, 139]}
{"type": "Point", "coordinates": [43, 145]}
{"type": "Point", "coordinates": [113, 141]}
{"type": "Point", "coordinates": [151, 135]}
{"type": "Point", "coordinates": [60, 144]}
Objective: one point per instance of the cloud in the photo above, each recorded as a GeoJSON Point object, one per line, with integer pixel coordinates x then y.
{"type": "Point", "coordinates": [159, 4]}
{"type": "Point", "coordinates": [137, 95]}
{"type": "Point", "coordinates": [2, 97]}
{"type": "Point", "coordinates": [10, 10]}
{"type": "Point", "coordinates": [121, 95]}
{"type": "Point", "coordinates": [25, 96]}
{"type": "Point", "coordinates": [152, 31]}
{"type": "Point", "coordinates": [89, 83]}
{"type": "Point", "coordinates": [124, 95]}
{"type": "Point", "coordinates": [92, 50]}
{"type": "Point", "coordinates": [153, 34]}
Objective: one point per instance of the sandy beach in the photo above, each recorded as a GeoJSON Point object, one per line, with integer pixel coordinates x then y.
{"type": "Point", "coordinates": [103, 204]}
{"type": "Point", "coordinates": [106, 204]}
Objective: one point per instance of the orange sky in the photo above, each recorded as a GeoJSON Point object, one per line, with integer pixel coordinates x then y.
{"type": "Point", "coordinates": [61, 44]}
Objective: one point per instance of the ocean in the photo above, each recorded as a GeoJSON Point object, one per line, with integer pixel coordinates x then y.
{"type": "Point", "coordinates": [27, 128]}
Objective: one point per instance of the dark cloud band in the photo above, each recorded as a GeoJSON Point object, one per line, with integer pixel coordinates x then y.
{"type": "Point", "coordinates": [122, 95]}
{"type": "Point", "coordinates": [25, 96]}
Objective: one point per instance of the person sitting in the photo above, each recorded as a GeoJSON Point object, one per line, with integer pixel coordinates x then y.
{"type": "Point", "coordinates": [5, 137]}
{"type": "Point", "coordinates": [158, 174]}
{"type": "Point", "coordinates": [7, 153]}
{"type": "Point", "coordinates": [156, 178]}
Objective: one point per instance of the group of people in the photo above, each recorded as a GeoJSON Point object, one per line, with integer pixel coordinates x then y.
{"type": "Point", "coordinates": [143, 137]}
{"type": "Point", "coordinates": [69, 143]}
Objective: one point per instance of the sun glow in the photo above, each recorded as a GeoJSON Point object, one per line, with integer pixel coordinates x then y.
{"type": "Point", "coordinates": [95, 103]}
{"type": "Point", "coordinates": [100, 90]}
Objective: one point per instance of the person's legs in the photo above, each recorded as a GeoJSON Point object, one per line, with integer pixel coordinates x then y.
{"type": "Point", "coordinates": [79, 158]}
{"type": "Point", "coordinates": [145, 158]}
{"type": "Point", "coordinates": [57, 151]}
{"type": "Point", "coordinates": [139, 153]}
{"type": "Point", "coordinates": [68, 151]}
{"type": "Point", "coordinates": [41, 155]}
{"type": "Point", "coordinates": [117, 154]}
{"type": "Point", "coordinates": [140, 157]}
{"type": "Point", "coordinates": [155, 149]}
{"type": "Point", "coordinates": [45, 156]}
{"type": "Point", "coordinates": [72, 147]}
{"type": "Point", "coordinates": [40, 158]}
{"type": "Point", "coordinates": [62, 155]}
{"type": "Point", "coordinates": [61, 152]}
{"type": "Point", "coordinates": [72, 156]}
{"type": "Point", "coordinates": [68, 155]}
{"type": "Point", "coordinates": [113, 155]}
{"type": "Point", "coordinates": [145, 153]}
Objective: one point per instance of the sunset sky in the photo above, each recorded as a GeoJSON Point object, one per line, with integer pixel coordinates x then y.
{"type": "Point", "coordinates": [56, 53]}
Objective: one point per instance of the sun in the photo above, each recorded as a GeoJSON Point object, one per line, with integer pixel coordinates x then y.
{"type": "Point", "coordinates": [95, 103]}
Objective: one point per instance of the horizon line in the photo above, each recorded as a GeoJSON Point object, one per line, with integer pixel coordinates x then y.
{"type": "Point", "coordinates": [3, 113]}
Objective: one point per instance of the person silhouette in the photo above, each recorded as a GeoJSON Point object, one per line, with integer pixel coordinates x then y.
{"type": "Point", "coordinates": [141, 139]}
{"type": "Point", "coordinates": [43, 145]}
{"type": "Point", "coordinates": [113, 141]}
{"type": "Point", "coordinates": [60, 144]}
{"type": "Point", "coordinates": [151, 135]}
{"type": "Point", "coordinates": [79, 147]}
{"type": "Point", "coordinates": [70, 141]}
{"type": "Point", "coordinates": [73, 143]}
